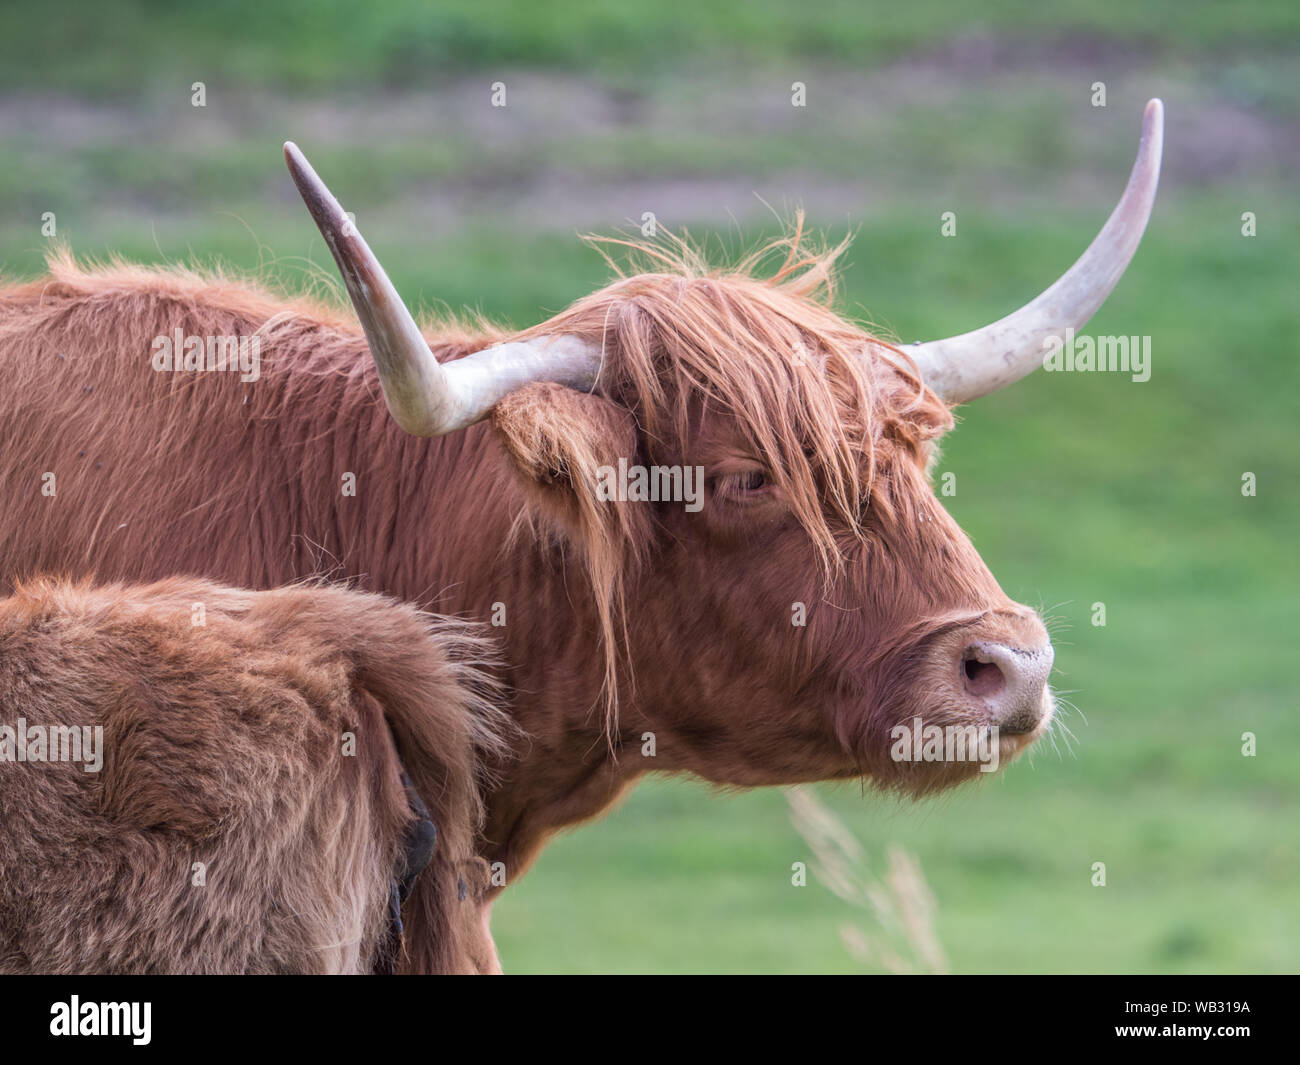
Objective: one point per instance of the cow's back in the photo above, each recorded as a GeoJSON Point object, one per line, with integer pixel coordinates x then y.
{"type": "Point", "coordinates": [115, 469]}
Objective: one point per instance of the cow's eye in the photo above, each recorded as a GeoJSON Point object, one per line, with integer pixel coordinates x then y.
{"type": "Point", "coordinates": [744, 483]}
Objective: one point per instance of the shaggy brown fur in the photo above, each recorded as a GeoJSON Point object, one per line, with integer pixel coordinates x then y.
{"type": "Point", "coordinates": [620, 618]}
{"type": "Point", "coordinates": [826, 407]}
{"type": "Point", "coordinates": [226, 744]}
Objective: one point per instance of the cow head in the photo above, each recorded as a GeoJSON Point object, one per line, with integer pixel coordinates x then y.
{"type": "Point", "coordinates": [806, 609]}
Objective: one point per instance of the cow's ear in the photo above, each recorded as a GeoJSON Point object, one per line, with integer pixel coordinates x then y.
{"type": "Point", "coordinates": [565, 446]}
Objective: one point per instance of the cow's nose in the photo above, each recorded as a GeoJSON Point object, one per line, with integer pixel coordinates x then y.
{"type": "Point", "coordinates": [1010, 682]}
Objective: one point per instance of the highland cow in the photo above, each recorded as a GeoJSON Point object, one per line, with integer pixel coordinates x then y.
{"type": "Point", "coordinates": [819, 597]}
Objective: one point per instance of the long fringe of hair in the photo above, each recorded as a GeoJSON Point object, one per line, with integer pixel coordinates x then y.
{"type": "Point", "coordinates": [823, 402]}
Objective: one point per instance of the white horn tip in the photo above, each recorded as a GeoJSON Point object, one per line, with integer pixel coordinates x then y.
{"type": "Point", "coordinates": [1153, 119]}
{"type": "Point", "coordinates": [976, 363]}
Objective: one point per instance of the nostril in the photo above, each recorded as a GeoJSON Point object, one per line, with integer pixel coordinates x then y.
{"type": "Point", "coordinates": [982, 678]}
{"type": "Point", "coordinates": [1009, 682]}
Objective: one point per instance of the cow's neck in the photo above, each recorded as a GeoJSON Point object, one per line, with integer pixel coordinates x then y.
{"type": "Point", "coordinates": [441, 540]}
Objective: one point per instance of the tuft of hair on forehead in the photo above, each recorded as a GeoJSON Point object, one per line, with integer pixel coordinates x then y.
{"type": "Point", "coordinates": [823, 403]}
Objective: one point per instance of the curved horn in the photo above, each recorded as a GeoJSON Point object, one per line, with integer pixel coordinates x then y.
{"type": "Point", "coordinates": [966, 367]}
{"type": "Point", "coordinates": [428, 398]}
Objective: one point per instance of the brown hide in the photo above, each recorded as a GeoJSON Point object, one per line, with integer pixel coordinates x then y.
{"type": "Point", "coordinates": [621, 618]}
{"type": "Point", "coordinates": [261, 744]}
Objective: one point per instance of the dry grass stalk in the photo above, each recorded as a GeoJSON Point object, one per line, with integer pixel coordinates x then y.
{"type": "Point", "coordinates": [901, 902]}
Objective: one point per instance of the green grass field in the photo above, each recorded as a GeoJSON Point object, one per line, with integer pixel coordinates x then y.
{"type": "Point", "coordinates": [1077, 489]}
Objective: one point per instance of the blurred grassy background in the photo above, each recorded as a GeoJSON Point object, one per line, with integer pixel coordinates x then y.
{"type": "Point", "coordinates": [1076, 489]}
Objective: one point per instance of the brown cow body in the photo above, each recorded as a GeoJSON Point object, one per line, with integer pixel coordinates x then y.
{"type": "Point", "coordinates": [781, 626]}
{"type": "Point", "coordinates": [248, 812]}
{"type": "Point", "coordinates": [159, 474]}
